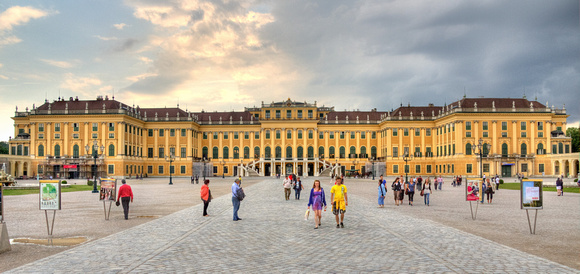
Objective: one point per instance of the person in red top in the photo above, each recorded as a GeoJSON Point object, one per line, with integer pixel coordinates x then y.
{"type": "Point", "coordinates": [125, 195]}
{"type": "Point", "coordinates": [205, 196]}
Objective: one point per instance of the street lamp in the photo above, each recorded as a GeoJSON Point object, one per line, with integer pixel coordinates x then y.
{"type": "Point", "coordinates": [406, 158]}
{"type": "Point", "coordinates": [95, 155]}
{"type": "Point", "coordinates": [223, 162]}
{"type": "Point", "coordinates": [481, 147]}
{"type": "Point", "coordinates": [170, 158]}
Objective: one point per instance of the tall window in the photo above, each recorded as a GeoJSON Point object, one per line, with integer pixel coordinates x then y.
{"type": "Point", "coordinates": [236, 153]}
{"type": "Point", "coordinates": [524, 149]}
{"type": "Point", "coordinates": [363, 152]}
{"type": "Point", "coordinates": [504, 149]}
{"type": "Point", "coordinates": [111, 150]}
{"type": "Point", "coordinates": [300, 152]}
{"type": "Point", "coordinates": [289, 152]}
{"type": "Point", "coordinates": [405, 132]}
{"type": "Point", "coordinates": [540, 150]}
{"type": "Point", "coordinates": [257, 152]}
{"type": "Point", "coordinates": [417, 132]}
{"type": "Point", "coordinates": [342, 151]}
{"type": "Point", "coordinates": [503, 125]}
{"type": "Point", "coordinates": [204, 153]}
{"type": "Point", "coordinates": [226, 152]}
{"type": "Point", "coordinates": [321, 151]}
{"type": "Point", "coordinates": [540, 125]}
{"type": "Point", "coordinates": [467, 125]}
{"type": "Point", "coordinates": [57, 150]}
{"type": "Point", "coordinates": [395, 132]}
{"type": "Point", "coordinates": [267, 134]}
{"type": "Point", "coordinates": [469, 168]}
{"type": "Point", "coordinates": [523, 125]}
{"type": "Point", "coordinates": [278, 134]}
{"type": "Point", "coordinates": [468, 149]}
{"type": "Point", "coordinates": [246, 152]}
{"type": "Point", "coordinates": [310, 152]}
{"type": "Point", "coordinates": [374, 152]}
{"type": "Point", "coordinates": [215, 153]}
{"type": "Point", "coordinates": [76, 151]}
{"type": "Point", "coordinates": [485, 126]}
{"type": "Point", "coordinates": [278, 152]}
{"type": "Point", "coordinates": [267, 152]}
{"type": "Point", "coordinates": [331, 152]}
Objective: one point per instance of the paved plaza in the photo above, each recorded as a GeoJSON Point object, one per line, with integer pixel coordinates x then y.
{"type": "Point", "coordinates": [274, 237]}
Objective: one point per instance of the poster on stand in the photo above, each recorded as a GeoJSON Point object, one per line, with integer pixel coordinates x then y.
{"type": "Point", "coordinates": [49, 195]}
{"type": "Point", "coordinates": [473, 188]}
{"type": "Point", "coordinates": [108, 189]}
{"type": "Point", "coordinates": [531, 194]}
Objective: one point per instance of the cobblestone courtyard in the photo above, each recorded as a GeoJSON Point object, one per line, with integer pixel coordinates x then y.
{"type": "Point", "coordinates": [274, 237]}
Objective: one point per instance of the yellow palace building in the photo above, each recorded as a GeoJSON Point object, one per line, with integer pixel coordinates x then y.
{"type": "Point", "coordinates": [471, 136]}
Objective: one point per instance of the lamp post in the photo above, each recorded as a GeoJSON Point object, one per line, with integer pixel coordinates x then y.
{"type": "Point", "coordinates": [354, 162]}
{"type": "Point", "coordinates": [223, 162]}
{"type": "Point", "coordinates": [170, 158]}
{"type": "Point", "coordinates": [95, 155]}
{"type": "Point", "coordinates": [406, 158]}
{"type": "Point", "coordinates": [481, 147]}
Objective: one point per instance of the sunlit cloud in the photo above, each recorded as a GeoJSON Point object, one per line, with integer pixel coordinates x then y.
{"type": "Point", "coordinates": [16, 16]}
{"type": "Point", "coordinates": [80, 84]}
{"type": "Point", "coordinates": [106, 38]}
{"type": "Point", "coordinates": [119, 26]}
{"type": "Point", "coordinates": [59, 64]}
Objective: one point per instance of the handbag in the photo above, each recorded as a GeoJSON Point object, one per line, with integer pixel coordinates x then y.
{"type": "Point", "coordinates": [306, 215]}
{"type": "Point", "coordinates": [117, 203]}
{"type": "Point", "coordinates": [422, 192]}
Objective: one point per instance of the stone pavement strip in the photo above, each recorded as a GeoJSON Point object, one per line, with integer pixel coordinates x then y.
{"type": "Point", "coordinates": [274, 237]}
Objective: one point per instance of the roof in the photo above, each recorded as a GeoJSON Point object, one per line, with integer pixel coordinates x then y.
{"type": "Point", "coordinates": [225, 116]}
{"type": "Point", "coordinates": [497, 102]}
{"type": "Point", "coordinates": [75, 104]}
{"type": "Point", "coordinates": [162, 112]}
{"type": "Point", "coordinates": [352, 115]}
{"type": "Point", "coordinates": [427, 111]}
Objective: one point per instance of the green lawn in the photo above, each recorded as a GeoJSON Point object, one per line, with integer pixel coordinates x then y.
{"type": "Point", "coordinates": [516, 186]}
{"type": "Point", "coordinates": [72, 188]}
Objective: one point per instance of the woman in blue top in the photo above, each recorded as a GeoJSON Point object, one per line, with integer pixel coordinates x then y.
{"type": "Point", "coordinates": [317, 200]}
{"type": "Point", "coordinates": [382, 193]}
{"type": "Point", "coordinates": [411, 191]}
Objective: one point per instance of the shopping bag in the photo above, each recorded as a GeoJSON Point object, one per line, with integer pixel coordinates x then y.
{"type": "Point", "coordinates": [306, 215]}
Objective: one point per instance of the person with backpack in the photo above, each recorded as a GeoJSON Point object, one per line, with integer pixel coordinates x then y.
{"type": "Point", "coordinates": [382, 193]}
{"type": "Point", "coordinates": [297, 188]}
{"type": "Point", "coordinates": [237, 196]}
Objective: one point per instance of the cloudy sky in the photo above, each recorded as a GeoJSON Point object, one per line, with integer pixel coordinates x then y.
{"type": "Point", "coordinates": [226, 55]}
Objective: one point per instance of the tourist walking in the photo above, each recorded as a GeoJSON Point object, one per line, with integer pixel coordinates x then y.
{"type": "Point", "coordinates": [383, 181]}
{"type": "Point", "coordinates": [396, 187]}
{"type": "Point", "coordinates": [483, 190]}
{"type": "Point", "coordinates": [206, 197]}
{"type": "Point", "coordinates": [496, 182]}
{"type": "Point", "coordinates": [382, 193]}
{"type": "Point", "coordinates": [560, 186]}
{"type": "Point", "coordinates": [410, 189]}
{"type": "Point", "coordinates": [440, 183]}
{"type": "Point", "coordinates": [426, 190]}
{"type": "Point", "coordinates": [237, 197]}
{"type": "Point", "coordinates": [317, 200]}
{"type": "Point", "coordinates": [419, 182]}
{"type": "Point", "coordinates": [339, 201]}
{"type": "Point", "coordinates": [402, 192]}
{"type": "Point", "coordinates": [126, 196]}
{"type": "Point", "coordinates": [436, 182]}
{"type": "Point", "coordinates": [489, 192]}
{"type": "Point", "coordinates": [459, 179]}
{"type": "Point", "coordinates": [297, 188]}
{"type": "Point", "coordinates": [287, 184]}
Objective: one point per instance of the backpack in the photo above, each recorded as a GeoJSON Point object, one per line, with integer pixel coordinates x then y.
{"type": "Point", "coordinates": [240, 194]}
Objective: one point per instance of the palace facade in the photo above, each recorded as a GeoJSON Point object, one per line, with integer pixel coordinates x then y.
{"type": "Point", "coordinates": [471, 136]}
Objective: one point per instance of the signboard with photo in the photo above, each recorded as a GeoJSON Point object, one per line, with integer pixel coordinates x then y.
{"type": "Point", "coordinates": [473, 188]}
{"type": "Point", "coordinates": [108, 189]}
{"type": "Point", "coordinates": [532, 194]}
{"type": "Point", "coordinates": [49, 195]}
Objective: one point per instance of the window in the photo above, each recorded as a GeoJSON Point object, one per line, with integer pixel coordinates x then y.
{"type": "Point", "coordinates": [41, 150]}
{"type": "Point", "coordinates": [288, 114]}
{"type": "Point", "coordinates": [161, 152]}
{"type": "Point", "coordinates": [299, 134]}
{"type": "Point", "coordinates": [395, 152]}
{"type": "Point", "coordinates": [236, 136]}
{"type": "Point", "coordinates": [428, 132]}
{"type": "Point", "coordinates": [503, 125]}
{"type": "Point", "coordinates": [204, 135]}
{"type": "Point", "coordinates": [95, 135]}
{"type": "Point", "coordinates": [182, 169]}
{"type": "Point", "coordinates": [407, 169]}
{"type": "Point", "coordinates": [41, 136]}
{"type": "Point", "coordinates": [524, 167]}
{"type": "Point", "coordinates": [428, 168]}
{"type": "Point", "coordinates": [57, 151]}
{"type": "Point", "coordinates": [469, 168]}
{"type": "Point", "coordinates": [560, 148]}
{"type": "Point", "coordinates": [485, 126]}
{"type": "Point", "coordinates": [183, 132]}
{"type": "Point", "coordinates": [417, 132]}
{"type": "Point", "coordinates": [56, 127]}
{"type": "Point", "coordinates": [225, 170]}
{"type": "Point", "coordinates": [468, 134]}
{"type": "Point", "coordinates": [247, 153]}
{"type": "Point", "coordinates": [257, 135]}
{"type": "Point", "coordinates": [554, 149]}
{"type": "Point", "coordinates": [405, 132]}
{"type": "Point", "coordinates": [352, 152]}
{"type": "Point", "coordinates": [395, 169]}
{"type": "Point", "coordinates": [540, 125]}
{"type": "Point", "coordinates": [395, 132]}
{"type": "Point", "coordinates": [267, 114]}
{"type": "Point", "coordinates": [486, 168]}
{"type": "Point", "coordinates": [299, 114]}
{"type": "Point", "coordinates": [342, 152]}
{"type": "Point", "coordinates": [75, 126]}
{"type": "Point", "coordinates": [278, 152]}
{"type": "Point", "coordinates": [161, 132]}
{"type": "Point", "coordinates": [267, 134]}
{"type": "Point", "coordinates": [226, 135]}
{"type": "Point", "coordinates": [374, 152]}
{"type": "Point", "coordinates": [540, 134]}
{"type": "Point", "coordinates": [111, 169]}
{"type": "Point", "coordinates": [267, 152]}
{"type": "Point", "coordinates": [57, 136]}
{"type": "Point", "coordinates": [373, 135]}
{"type": "Point", "coordinates": [363, 135]}
{"type": "Point", "coordinates": [183, 152]}
{"type": "Point", "coordinates": [236, 153]}
{"type": "Point", "coordinates": [321, 135]}
{"type": "Point", "coordinates": [111, 135]}
{"type": "Point", "coordinates": [523, 134]}
{"type": "Point", "coordinates": [149, 169]}
{"type": "Point", "coordinates": [485, 134]}
{"type": "Point", "coordinates": [204, 153]}
{"type": "Point", "coordinates": [299, 153]}
{"type": "Point", "coordinates": [467, 125]}
{"type": "Point", "coordinates": [310, 134]}
{"type": "Point", "coordinates": [522, 125]}
{"type": "Point", "coordinates": [277, 134]}
{"type": "Point", "coordinates": [160, 168]}
{"type": "Point", "coordinates": [41, 127]}
{"type": "Point", "coordinates": [111, 126]}
{"type": "Point", "coordinates": [331, 135]}
{"type": "Point", "coordinates": [215, 169]}
{"type": "Point", "coordinates": [150, 132]}
{"type": "Point", "coordinates": [342, 135]}
{"type": "Point", "coordinates": [215, 135]}
{"type": "Point", "coordinates": [310, 114]}
{"type": "Point", "coordinates": [504, 150]}
{"type": "Point", "coordinates": [541, 168]}
{"type": "Point", "coordinates": [149, 152]}
{"type": "Point", "coordinates": [352, 135]}
{"type": "Point", "coordinates": [504, 135]}
{"type": "Point", "coordinates": [567, 148]}
{"type": "Point", "coordinates": [111, 150]}
{"type": "Point", "coordinates": [468, 149]}
{"type": "Point", "coordinates": [246, 135]}
{"type": "Point", "coordinates": [331, 152]}
{"type": "Point", "coordinates": [278, 114]}
{"type": "Point", "coordinates": [95, 126]}
{"type": "Point", "coordinates": [257, 152]}
{"type": "Point", "coordinates": [417, 169]}
{"type": "Point", "coordinates": [226, 152]}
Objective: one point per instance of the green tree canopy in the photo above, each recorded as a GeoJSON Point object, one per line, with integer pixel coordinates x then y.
{"type": "Point", "coordinates": [575, 134]}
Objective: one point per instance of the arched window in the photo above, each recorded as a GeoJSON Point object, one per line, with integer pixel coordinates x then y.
{"type": "Point", "coordinates": [300, 152]}
{"type": "Point", "coordinates": [111, 150]}
{"type": "Point", "coordinates": [236, 153]}
{"type": "Point", "coordinates": [204, 153]}
{"type": "Point", "coordinates": [246, 152]}
{"type": "Point", "coordinates": [540, 149]}
{"type": "Point", "coordinates": [560, 148]}
{"type": "Point", "coordinates": [226, 152]}
{"type": "Point", "coordinates": [352, 153]}
{"type": "Point", "coordinates": [504, 149]}
{"type": "Point", "coordinates": [57, 150]}
{"type": "Point", "coordinates": [40, 150]}
{"type": "Point", "coordinates": [278, 152]}
{"type": "Point", "coordinates": [342, 152]}
{"type": "Point", "coordinates": [374, 152]}
{"type": "Point", "coordinates": [363, 152]}
{"type": "Point", "coordinates": [331, 152]}
{"type": "Point", "coordinates": [524, 149]}
{"type": "Point", "coordinates": [257, 152]}
{"type": "Point", "coordinates": [468, 149]}
{"type": "Point", "coordinates": [216, 153]}
{"type": "Point", "coordinates": [289, 152]}
{"type": "Point", "coordinates": [310, 152]}
{"type": "Point", "coordinates": [75, 151]}
{"type": "Point", "coordinates": [321, 152]}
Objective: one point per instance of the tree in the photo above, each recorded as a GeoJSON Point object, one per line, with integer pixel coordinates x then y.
{"type": "Point", "coordinates": [574, 132]}
{"type": "Point", "coordinates": [3, 147]}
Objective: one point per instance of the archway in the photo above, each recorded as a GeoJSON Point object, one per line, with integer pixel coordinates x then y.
{"type": "Point", "coordinates": [575, 167]}
{"type": "Point", "coordinates": [25, 169]}
{"type": "Point", "coordinates": [566, 168]}
{"type": "Point", "coordinates": [16, 167]}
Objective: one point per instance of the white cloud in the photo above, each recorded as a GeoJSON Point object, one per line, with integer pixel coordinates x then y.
{"type": "Point", "coordinates": [80, 84]}
{"type": "Point", "coordinates": [4, 77]}
{"type": "Point", "coordinates": [145, 59]}
{"type": "Point", "coordinates": [16, 16]}
{"type": "Point", "coordinates": [58, 64]}
{"type": "Point", "coordinates": [106, 38]}
{"type": "Point", "coordinates": [141, 77]}
{"type": "Point", "coordinates": [120, 26]}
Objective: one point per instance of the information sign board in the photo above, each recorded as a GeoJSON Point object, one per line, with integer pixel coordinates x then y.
{"type": "Point", "coordinates": [50, 195]}
{"type": "Point", "coordinates": [108, 189]}
{"type": "Point", "coordinates": [532, 194]}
